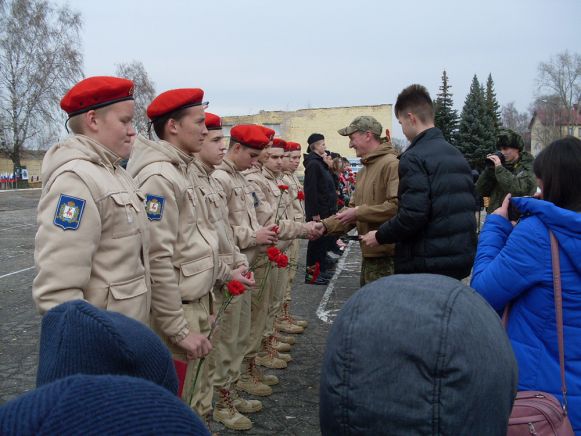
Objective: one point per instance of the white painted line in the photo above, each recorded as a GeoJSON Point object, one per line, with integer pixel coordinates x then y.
{"type": "Point", "coordinates": [322, 312]}
{"type": "Point", "coordinates": [14, 227]}
{"type": "Point", "coordinates": [19, 190]}
{"type": "Point", "coordinates": [16, 272]}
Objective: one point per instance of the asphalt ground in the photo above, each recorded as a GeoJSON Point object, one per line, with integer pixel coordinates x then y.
{"type": "Point", "coordinates": [293, 407]}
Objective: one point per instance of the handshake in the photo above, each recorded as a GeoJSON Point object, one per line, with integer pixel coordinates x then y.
{"type": "Point", "coordinates": [269, 235]}
{"type": "Point", "coordinates": [315, 229]}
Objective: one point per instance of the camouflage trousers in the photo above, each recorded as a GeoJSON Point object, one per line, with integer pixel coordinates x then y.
{"type": "Point", "coordinates": [373, 268]}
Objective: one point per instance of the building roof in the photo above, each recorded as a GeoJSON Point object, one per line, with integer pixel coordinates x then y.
{"type": "Point", "coordinates": [560, 118]}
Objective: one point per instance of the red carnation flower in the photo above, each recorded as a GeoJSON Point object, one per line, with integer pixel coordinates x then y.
{"type": "Point", "coordinates": [314, 271]}
{"type": "Point", "coordinates": [276, 229]}
{"type": "Point", "coordinates": [272, 253]}
{"type": "Point", "coordinates": [282, 261]}
{"type": "Point", "coordinates": [300, 195]}
{"type": "Point", "coordinates": [283, 187]}
{"type": "Point", "coordinates": [340, 203]}
{"type": "Point", "coordinates": [235, 287]}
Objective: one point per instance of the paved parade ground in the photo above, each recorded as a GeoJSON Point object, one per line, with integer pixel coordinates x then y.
{"type": "Point", "coordinates": [291, 410]}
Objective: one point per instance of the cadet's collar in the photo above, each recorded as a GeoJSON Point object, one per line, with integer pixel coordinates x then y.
{"type": "Point", "coordinates": [205, 168]}
{"type": "Point", "coordinates": [229, 165]}
{"type": "Point", "coordinates": [105, 155]}
{"type": "Point", "coordinates": [186, 158]}
{"type": "Point", "coordinates": [269, 174]}
{"type": "Point", "coordinates": [209, 169]}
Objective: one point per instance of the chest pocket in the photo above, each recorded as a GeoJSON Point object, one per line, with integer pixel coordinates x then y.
{"type": "Point", "coordinates": [252, 201]}
{"type": "Point", "coordinates": [280, 200]}
{"type": "Point", "coordinates": [212, 201]}
{"type": "Point", "coordinates": [192, 202]}
{"type": "Point", "coordinates": [238, 202]}
{"type": "Point", "coordinates": [124, 210]}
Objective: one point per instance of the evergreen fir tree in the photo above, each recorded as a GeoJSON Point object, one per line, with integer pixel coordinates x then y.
{"type": "Point", "coordinates": [476, 135]}
{"type": "Point", "coordinates": [492, 106]}
{"type": "Point", "coordinates": [446, 117]}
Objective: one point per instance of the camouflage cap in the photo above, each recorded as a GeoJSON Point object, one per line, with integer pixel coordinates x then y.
{"type": "Point", "coordinates": [509, 138]}
{"type": "Point", "coordinates": [362, 124]}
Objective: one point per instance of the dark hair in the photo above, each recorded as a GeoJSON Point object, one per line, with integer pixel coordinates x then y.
{"type": "Point", "coordinates": [557, 166]}
{"type": "Point", "coordinates": [415, 98]}
{"type": "Point", "coordinates": [159, 123]}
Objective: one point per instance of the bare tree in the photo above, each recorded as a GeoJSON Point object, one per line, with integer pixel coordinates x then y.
{"type": "Point", "coordinates": [40, 59]}
{"type": "Point", "coordinates": [513, 119]}
{"type": "Point", "coordinates": [399, 144]}
{"type": "Point", "coordinates": [561, 76]}
{"type": "Point", "coordinates": [548, 118]}
{"type": "Point", "coordinates": [144, 91]}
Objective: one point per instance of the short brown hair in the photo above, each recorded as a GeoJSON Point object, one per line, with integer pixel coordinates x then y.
{"type": "Point", "coordinates": [159, 123]}
{"type": "Point", "coordinates": [416, 99]}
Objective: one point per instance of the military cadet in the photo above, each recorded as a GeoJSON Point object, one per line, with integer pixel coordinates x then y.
{"type": "Point", "coordinates": [246, 142]}
{"type": "Point", "coordinates": [272, 207]}
{"type": "Point", "coordinates": [92, 241]}
{"type": "Point", "coordinates": [231, 338]}
{"type": "Point", "coordinates": [375, 198]}
{"type": "Point", "coordinates": [185, 264]}
{"type": "Point", "coordinates": [286, 322]}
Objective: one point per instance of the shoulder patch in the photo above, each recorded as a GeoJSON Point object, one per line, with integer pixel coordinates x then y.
{"type": "Point", "coordinates": [69, 212]}
{"type": "Point", "coordinates": [154, 207]}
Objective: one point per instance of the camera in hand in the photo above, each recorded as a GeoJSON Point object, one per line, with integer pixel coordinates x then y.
{"type": "Point", "coordinates": [499, 155]}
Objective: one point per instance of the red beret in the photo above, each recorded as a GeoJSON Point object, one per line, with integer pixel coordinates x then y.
{"type": "Point", "coordinates": [280, 143]}
{"type": "Point", "coordinates": [213, 122]}
{"type": "Point", "coordinates": [268, 132]}
{"type": "Point", "coordinates": [292, 146]}
{"type": "Point", "coordinates": [250, 135]}
{"type": "Point", "coordinates": [172, 100]}
{"type": "Point", "coordinates": [95, 92]}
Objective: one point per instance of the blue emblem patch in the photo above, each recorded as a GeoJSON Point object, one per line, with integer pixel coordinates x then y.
{"type": "Point", "coordinates": [256, 201]}
{"type": "Point", "coordinates": [69, 212]}
{"type": "Point", "coordinates": [154, 207]}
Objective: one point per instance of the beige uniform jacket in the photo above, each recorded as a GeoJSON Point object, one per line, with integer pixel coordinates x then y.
{"type": "Point", "coordinates": [375, 197]}
{"type": "Point", "coordinates": [92, 241]}
{"type": "Point", "coordinates": [274, 205]}
{"type": "Point", "coordinates": [298, 206]}
{"type": "Point", "coordinates": [241, 207]}
{"type": "Point", "coordinates": [216, 205]}
{"type": "Point", "coordinates": [184, 247]}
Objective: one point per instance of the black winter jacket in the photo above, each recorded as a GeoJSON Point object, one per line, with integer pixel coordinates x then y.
{"type": "Point", "coordinates": [435, 228]}
{"type": "Point", "coordinates": [320, 192]}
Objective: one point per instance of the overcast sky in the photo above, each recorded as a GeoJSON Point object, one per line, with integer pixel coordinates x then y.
{"type": "Point", "coordinates": [251, 55]}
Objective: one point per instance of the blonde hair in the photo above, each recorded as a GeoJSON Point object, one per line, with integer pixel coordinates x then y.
{"type": "Point", "coordinates": [76, 123]}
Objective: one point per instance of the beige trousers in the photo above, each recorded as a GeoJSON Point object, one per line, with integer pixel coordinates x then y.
{"type": "Point", "coordinates": [293, 255]}
{"type": "Point", "coordinates": [230, 340]}
{"type": "Point", "coordinates": [196, 314]}
{"type": "Point", "coordinates": [264, 274]}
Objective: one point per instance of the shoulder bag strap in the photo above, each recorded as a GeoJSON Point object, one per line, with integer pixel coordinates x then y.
{"type": "Point", "coordinates": [559, 313]}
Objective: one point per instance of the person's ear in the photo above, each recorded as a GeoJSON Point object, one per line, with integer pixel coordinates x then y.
{"type": "Point", "coordinates": [90, 120]}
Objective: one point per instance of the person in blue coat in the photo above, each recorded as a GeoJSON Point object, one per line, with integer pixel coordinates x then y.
{"type": "Point", "coordinates": [513, 265]}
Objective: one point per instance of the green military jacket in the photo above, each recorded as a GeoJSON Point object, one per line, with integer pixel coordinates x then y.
{"type": "Point", "coordinates": [517, 179]}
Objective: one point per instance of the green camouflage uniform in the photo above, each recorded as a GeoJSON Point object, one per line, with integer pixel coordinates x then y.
{"type": "Point", "coordinates": [516, 178]}
{"type": "Point", "coordinates": [373, 268]}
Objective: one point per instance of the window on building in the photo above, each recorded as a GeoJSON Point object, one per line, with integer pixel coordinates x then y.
{"type": "Point", "coordinates": [570, 131]}
{"type": "Point", "coordinates": [579, 132]}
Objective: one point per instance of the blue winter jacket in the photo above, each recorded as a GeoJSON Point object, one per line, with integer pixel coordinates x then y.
{"type": "Point", "coordinates": [515, 265]}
